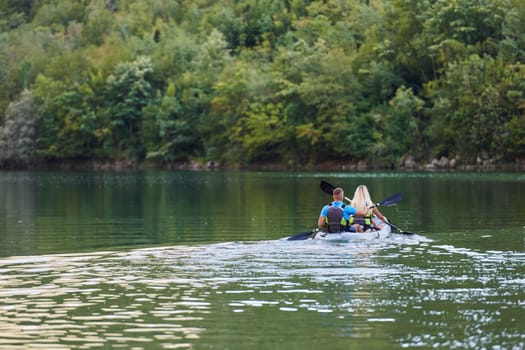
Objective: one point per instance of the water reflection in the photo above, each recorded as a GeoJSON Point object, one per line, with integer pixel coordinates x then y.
{"type": "Point", "coordinates": [472, 298]}
{"type": "Point", "coordinates": [414, 293]}
{"type": "Point", "coordinates": [217, 274]}
{"type": "Point", "coordinates": [55, 212]}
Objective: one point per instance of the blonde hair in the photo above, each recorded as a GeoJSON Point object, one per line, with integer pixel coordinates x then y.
{"type": "Point", "coordinates": [362, 201]}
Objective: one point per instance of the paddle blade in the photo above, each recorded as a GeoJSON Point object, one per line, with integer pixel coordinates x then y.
{"type": "Point", "coordinates": [301, 236]}
{"type": "Point", "coordinates": [392, 200]}
{"type": "Point", "coordinates": [326, 187]}
{"type": "Point", "coordinates": [400, 231]}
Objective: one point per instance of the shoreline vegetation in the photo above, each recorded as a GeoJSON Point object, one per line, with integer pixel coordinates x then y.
{"type": "Point", "coordinates": [250, 84]}
{"type": "Point", "coordinates": [442, 164]}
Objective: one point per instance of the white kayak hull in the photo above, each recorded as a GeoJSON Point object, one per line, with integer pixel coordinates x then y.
{"type": "Point", "coordinates": [351, 236]}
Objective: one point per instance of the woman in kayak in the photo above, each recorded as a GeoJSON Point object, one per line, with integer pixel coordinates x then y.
{"type": "Point", "coordinates": [363, 220]}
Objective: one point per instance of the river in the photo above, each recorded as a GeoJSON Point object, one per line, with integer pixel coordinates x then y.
{"type": "Point", "coordinates": [199, 260]}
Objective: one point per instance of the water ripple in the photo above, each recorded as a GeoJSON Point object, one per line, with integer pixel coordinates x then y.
{"type": "Point", "coordinates": [176, 296]}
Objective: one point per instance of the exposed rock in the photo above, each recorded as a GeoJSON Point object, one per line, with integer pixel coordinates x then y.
{"type": "Point", "coordinates": [362, 165]}
{"type": "Point", "coordinates": [212, 164]}
{"type": "Point", "coordinates": [443, 162]}
{"type": "Point", "coordinates": [348, 167]}
{"type": "Point", "coordinates": [410, 163]}
{"type": "Point", "coordinates": [479, 160]}
{"type": "Point", "coordinates": [430, 166]}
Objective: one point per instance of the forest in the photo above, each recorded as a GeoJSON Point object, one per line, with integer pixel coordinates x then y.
{"type": "Point", "coordinates": [240, 83]}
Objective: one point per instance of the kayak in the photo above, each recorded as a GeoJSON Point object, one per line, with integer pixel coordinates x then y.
{"type": "Point", "coordinates": [382, 233]}
{"type": "Point", "coordinates": [345, 236]}
{"type": "Point", "coordinates": [351, 236]}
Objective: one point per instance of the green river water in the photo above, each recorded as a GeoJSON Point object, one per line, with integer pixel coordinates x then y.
{"type": "Point", "coordinates": [198, 260]}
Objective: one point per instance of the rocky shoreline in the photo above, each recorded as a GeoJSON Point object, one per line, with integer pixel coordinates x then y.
{"type": "Point", "coordinates": [483, 163]}
{"type": "Point", "coordinates": [407, 164]}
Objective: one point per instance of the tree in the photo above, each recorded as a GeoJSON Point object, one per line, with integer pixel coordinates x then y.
{"type": "Point", "coordinates": [329, 91]}
{"type": "Point", "coordinates": [232, 94]}
{"type": "Point", "coordinates": [14, 13]}
{"type": "Point", "coordinates": [17, 136]}
{"type": "Point", "coordinates": [474, 108]}
{"type": "Point", "coordinates": [97, 25]}
{"type": "Point", "coordinates": [68, 125]}
{"type": "Point", "coordinates": [58, 14]}
{"type": "Point", "coordinates": [512, 44]}
{"type": "Point", "coordinates": [166, 134]}
{"type": "Point", "coordinates": [264, 132]}
{"type": "Point", "coordinates": [398, 128]}
{"type": "Point", "coordinates": [128, 90]}
{"type": "Point", "coordinates": [249, 80]}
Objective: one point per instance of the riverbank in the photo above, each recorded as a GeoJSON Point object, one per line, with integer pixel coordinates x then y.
{"type": "Point", "coordinates": [441, 164]}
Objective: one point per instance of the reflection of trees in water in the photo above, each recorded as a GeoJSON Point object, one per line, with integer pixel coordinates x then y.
{"type": "Point", "coordinates": [18, 213]}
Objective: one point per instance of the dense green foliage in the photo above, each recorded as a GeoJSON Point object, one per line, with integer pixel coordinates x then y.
{"type": "Point", "coordinates": [246, 81]}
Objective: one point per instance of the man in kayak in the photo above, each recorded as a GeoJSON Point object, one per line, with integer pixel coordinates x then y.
{"type": "Point", "coordinates": [335, 216]}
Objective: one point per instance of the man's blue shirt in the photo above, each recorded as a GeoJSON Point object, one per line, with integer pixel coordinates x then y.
{"type": "Point", "coordinates": [347, 210]}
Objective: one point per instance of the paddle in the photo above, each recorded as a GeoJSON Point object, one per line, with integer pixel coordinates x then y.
{"type": "Point", "coordinates": [392, 200]}
{"type": "Point", "coordinates": [400, 230]}
{"type": "Point", "coordinates": [328, 188]}
{"type": "Point", "coordinates": [303, 235]}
